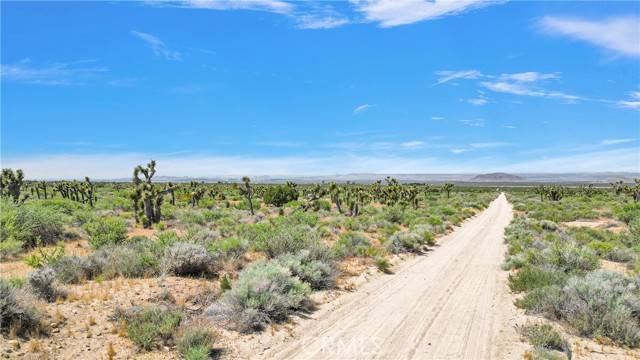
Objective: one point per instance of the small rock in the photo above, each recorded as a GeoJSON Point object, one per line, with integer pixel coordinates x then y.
{"type": "Point", "coordinates": [15, 344]}
{"type": "Point", "coordinates": [166, 349]}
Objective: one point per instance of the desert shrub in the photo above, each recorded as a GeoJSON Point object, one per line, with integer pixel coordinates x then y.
{"type": "Point", "coordinates": [103, 231]}
{"type": "Point", "coordinates": [133, 259]}
{"type": "Point", "coordinates": [187, 259]}
{"type": "Point", "coordinates": [404, 242]}
{"type": "Point", "coordinates": [317, 273]}
{"type": "Point", "coordinates": [548, 225]}
{"type": "Point", "coordinates": [531, 277]}
{"type": "Point", "coordinates": [231, 247]}
{"type": "Point", "coordinates": [196, 343]}
{"type": "Point", "coordinates": [18, 312]}
{"type": "Point", "coordinates": [41, 282]}
{"type": "Point", "coordinates": [628, 212]}
{"type": "Point", "coordinates": [279, 195]}
{"type": "Point", "coordinates": [383, 265]}
{"type": "Point", "coordinates": [393, 214]}
{"type": "Point", "coordinates": [543, 300]}
{"type": "Point", "coordinates": [44, 257]}
{"type": "Point", "coordinates": [543, 335]}
{"type": "Point", "coordinates": [603, 303]}
{"type": "Point", "coordinates": [151, 327]}
{"type": "Point", "coordinates": [191, 217]}
{"type": "Point", "coordinates": [9, 247]}
{"type": "Point", "coordinates": [168, 238]}
{"type": "Point", "coordinates": [321, 204]}
{"type": "Point", "coordinates": [570, 257]}
{"type": "Point", "coordinates": [618, 254]}
{"type": "Point", "coordinates": [297, 218]}
{"type": "Point", "coordinates": [425, 234]}
{"type": "Point", "coordinates": [265, 292]}
{"type": "Point", "coordinates": [76, 269]}
{"type": "Point", "coordinates": [351, 244]}
{"type": "Point", "coordinates": [284, 239]}
{"type": "Point", "coordinates": [28, 224]}
{"type": "Point", "coordinates": [600, 247]}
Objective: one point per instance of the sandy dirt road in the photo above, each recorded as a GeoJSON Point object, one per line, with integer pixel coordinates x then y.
{"type": "Point", "coordinates": [451, 303]}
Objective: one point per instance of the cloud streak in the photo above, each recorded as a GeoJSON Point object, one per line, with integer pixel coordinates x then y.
{"type": "Point", "coordinates": [54, 74]}
{"type": "Point", "coordinates": [362, 108]}
{"type": "Point", "coordinates": [157, 46]}
{"type": "Point", "coordinates": [620, 35]}
{"type": "Point", "coordinates": [390, 13]}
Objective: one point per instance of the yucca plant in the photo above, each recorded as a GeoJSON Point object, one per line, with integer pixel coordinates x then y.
{"type": "Point", "coordinates": [447, 188]}
{"type": "Point", "coordinates": [246, 190]}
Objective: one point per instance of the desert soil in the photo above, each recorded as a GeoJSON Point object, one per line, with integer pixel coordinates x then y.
{"type": "Point", "coordinates": [451, 303]}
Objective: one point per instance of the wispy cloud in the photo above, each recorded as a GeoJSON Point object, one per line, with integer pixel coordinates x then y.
{"type": "Point", "coordinates": [607, 142]}
{"type": "Point", "coordinates": [620, 35]}
{"type": "Point", "coordinates": [158, 46]}
{"type": "Point", "coordinates": [626, 159]}
{"type": "Point", "coordinates": [447, 75]}
{"type": "Point", "coordinates": [275, 6]}
{"type": "Point", "coordinates": [437, 118]}
{"type": "Point", "coordinates": [479, 146]}
{"type": "Point", "coordinates": [632, 103]}
{"type": "Point", "coordinates": [70, 73]}
{"type": "Point", "coordinates": [415, 144]}
{"type": "Point", "coordinates": [315, 22]}
{"type": "Point", "coordinates": [362, 108]}
{"type": "Point", "coordinates": [509, 127]}
{"type": "Point", "coordinates": [478, 101]}
{"type": "Point", "coordinates": [390, 13]}
{"type": "Point", "coordinates": [473, 122]}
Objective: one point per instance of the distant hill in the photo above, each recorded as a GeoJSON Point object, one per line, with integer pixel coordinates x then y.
{"type": "Point", "coordinates": [497, 177]}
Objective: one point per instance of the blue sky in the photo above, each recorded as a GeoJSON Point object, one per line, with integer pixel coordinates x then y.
{"type": "Point", "coordinates": [301, 88]}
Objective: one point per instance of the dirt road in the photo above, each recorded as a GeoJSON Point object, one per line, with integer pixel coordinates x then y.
{"type": "Point", "coordinates": [449, 304]}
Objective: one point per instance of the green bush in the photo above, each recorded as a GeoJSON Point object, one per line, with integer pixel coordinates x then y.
{"type": "Point", "coordinates": [231, 247]}
{"type": "Point", "coordinates": [531, 277]}
{"type": "Point", "coordinates": [404, 242]}
{"type": "Point", "coordinates": [196, 343]}
{"type": "Point", "coordinates": [265, 292]}
{"type": "Point", "coordinates": [151, 327]}
{"type": "Point", "coordinates": [29, 224]}
{"type": "Point", "coordinates": [187, 259]}
{"type": "Point", "coordinates": [543, 335]}
{"type": "Point", "coordinates": [128, 260]}
{"type": "Point", "coordinates": [106, 231]}
{"type": "Point", "coordinates": [279, 195]}
{"type": "Point", "coordinates": [351, 244]}
{"type": "Point", "coordinates": [317, 273]}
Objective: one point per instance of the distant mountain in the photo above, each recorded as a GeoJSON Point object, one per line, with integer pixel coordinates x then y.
{"type": "Point", "coordinates": [497, 177]}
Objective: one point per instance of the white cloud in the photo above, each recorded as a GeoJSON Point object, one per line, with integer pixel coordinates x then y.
{"type": "Point", "coordinates": [478, 101]}
{"type": "Point", "coordinates": [633, 103]}
{"type": "Point", "coordinates": [618, 34]}
{"type": "Point", "coordinates": [73, 73]}
{"type": "Point", "coordinates": [509, 127]}
{"type": "Point", "coordinates": [448, 75]}
{"type": "Point", "coordinates": [158, 46]}
{"type": "Point", "coordinates": [361, 108]}
{"type": "Point", "coordinates": [389, 13]}
{"type": "Point", "coordinates": [607, 142]}
{"type": "Point", "coordinates": [415, 144]}
{"type": "Point", "coordinates": [473, 122]}
{"type": "Point", "coordinates": [276, 6]}
{"type": "Point", "coordinates": [529, 76]}
{"type": "Point", "coordinates": [314, 22]}
{"type": "Point", "coordinates": [437, 118]}
{"type": "Point", "coordinates": [460, 150]}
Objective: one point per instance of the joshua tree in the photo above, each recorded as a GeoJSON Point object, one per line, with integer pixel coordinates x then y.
{"type": "Point", "coordinates": [618, 187]}
{"type": "Point", "coordinates": [41, 185]}
{"type": "Point", "coordinates": [447, 187]}
{"type": "Point", "coordinates": [148, 194]}
{"type": "Point", "coordinates": [171, 189]}
{"type": "Point", "coordinates": [634, 190]}
{"type": "Point", "coordinates": [555, 192]}
{"type": "Point", "coordinates": [410, 195]}
{"type": "Point", "coordinates": [246, 190]}
{"type": "Point", "coordinates": [11, 185]}
{"type": "Point", "coordinates": [355, 197]}
{"type": "Point", "coordinates": [541, 190]}
{"type": "Point", "coordinates": [197, 192]}
{"type": "Point", "coordinates": [334, 191]}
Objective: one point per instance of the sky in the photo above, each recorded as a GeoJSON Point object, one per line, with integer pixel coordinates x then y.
{"type": "Point", "coordinates": [275, 87]}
